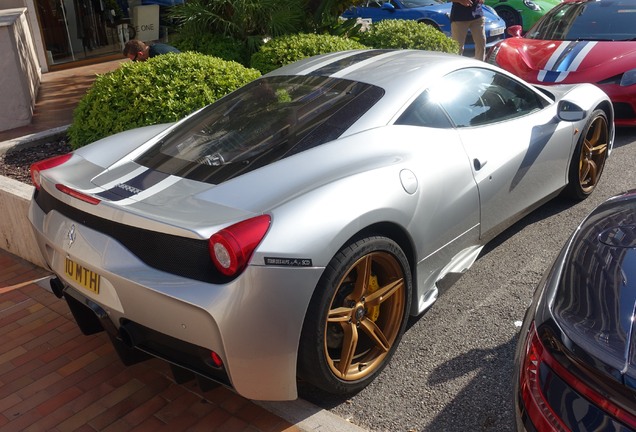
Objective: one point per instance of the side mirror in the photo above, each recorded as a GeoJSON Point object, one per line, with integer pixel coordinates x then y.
{"type": "Point", "coordinates": [568, 111]}
{"type": "Point", "coordinates": [388, 7]}
{"type": "Point", "coordinates": [515, 30]}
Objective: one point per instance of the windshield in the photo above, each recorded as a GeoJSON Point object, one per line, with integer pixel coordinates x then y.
{"type": "Point", "coordinates": [605, 20]}
{"type": "Point", "coordinates": [269, 119]}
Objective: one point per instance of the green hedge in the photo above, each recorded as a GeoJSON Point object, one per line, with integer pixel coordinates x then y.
{"type": "Point", "coordinates": [284, 50]}
{"type": "Point", "coordinates": [223, 47]}
{"type": "Point", "coordinates": [407, 34]}
{"type": "Point", "coordinates": [162, 89]}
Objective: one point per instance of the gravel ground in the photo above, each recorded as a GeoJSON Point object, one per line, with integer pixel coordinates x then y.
{"type": "Point", "coordinates": [15, 163]}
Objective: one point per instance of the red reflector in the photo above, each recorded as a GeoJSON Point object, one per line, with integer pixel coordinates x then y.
{"type": "Point", "coordinates": [538, 409]}
{"type": "Point", "coordinates": [75, 194]}
{"type": "Point", "coordinates": [216, 360]}
{"type": "Point", "coordinates": [45, 164]}
{"type": "Point", "coordinates": [232, 247]}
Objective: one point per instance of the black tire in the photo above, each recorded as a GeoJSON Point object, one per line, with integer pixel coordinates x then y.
{"type": "Point", "coordinates": [589, 157]}
{"type": "Point", "coordinates": [510, 16]}
{"type": "Point", "coordinates": [365, 290]}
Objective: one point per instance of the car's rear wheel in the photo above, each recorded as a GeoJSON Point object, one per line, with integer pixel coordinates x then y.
{"type": "Point", "coordinates": [510, 16]}
{"type": "Point", "coordinates": [356, 317]}
{"type": "Point", "coordinates": [589, 157]}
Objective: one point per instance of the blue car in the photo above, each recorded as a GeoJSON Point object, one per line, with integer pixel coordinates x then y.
{"type": "Point", "coordinates": [435, 13]}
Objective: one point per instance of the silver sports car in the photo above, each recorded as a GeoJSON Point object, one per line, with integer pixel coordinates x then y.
{"type": "Point", "coordinates": [289, 229]}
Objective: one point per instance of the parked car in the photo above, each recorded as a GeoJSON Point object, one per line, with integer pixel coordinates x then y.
{"type": "Point", "coordinates": [291, 228]}
{"type": "Point", "coordinates": [575, 358]}
{"type": "Point", "coordinates": [521, 12]}
{"type": "Point", "coordinates": [580, 41]}
{"type": "Point", "coordinates": [435, 13]}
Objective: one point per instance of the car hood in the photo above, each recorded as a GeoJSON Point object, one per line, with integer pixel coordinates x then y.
{"type": "Point", "coordinates": [551, 62]}
{"type": "Point", "coordinates": [595, 298]}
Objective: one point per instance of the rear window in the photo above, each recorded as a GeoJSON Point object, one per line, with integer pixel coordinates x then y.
{"type": "Point", "coordinates": [267, 120]}
{"type": "Point", "coordinates": [594, 301]}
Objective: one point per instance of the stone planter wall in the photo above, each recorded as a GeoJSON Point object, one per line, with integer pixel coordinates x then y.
{"type": "Point", "coordinates": [16, 235]}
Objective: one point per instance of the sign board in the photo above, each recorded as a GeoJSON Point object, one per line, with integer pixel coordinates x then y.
{"type": "Point", "coordinates": [146, 22]}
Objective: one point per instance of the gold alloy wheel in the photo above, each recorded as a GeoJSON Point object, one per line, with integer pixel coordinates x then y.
{"type": "Point", "coordinates": [593, 154]}
{"type": "Point", "coordinates": [365, 316]}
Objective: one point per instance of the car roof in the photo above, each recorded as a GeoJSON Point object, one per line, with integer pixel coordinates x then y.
{"type": "Point", "coordinates": [403, 74]}
{"type": "Point", "coordinates": [389, 69]}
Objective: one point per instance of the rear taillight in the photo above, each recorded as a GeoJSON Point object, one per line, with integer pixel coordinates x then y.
{"type": "Point", "coordinates": [539, 411]}
{"type": "Point", "coordinates": [45, 164]}
{"type": "Point", "coordinates": [232, 247]}
{"type": "Point", "coordinates": [542, 415]}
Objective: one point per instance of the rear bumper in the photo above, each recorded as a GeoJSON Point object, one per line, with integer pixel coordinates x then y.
{"type": "Point", "coordinates": [253, 322]}
{"type": "Point", "coordinates": [135, 343]}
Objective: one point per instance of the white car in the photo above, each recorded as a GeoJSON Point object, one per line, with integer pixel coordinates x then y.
{"type": "Point", "coordinates": [289, 229]}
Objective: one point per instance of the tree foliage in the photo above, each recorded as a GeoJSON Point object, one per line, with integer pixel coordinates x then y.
{"type": "Point", "coordinates": [249, 21]}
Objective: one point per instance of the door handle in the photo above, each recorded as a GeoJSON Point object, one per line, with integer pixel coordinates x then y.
{"type": "Point", "coordinates": [479, 164]}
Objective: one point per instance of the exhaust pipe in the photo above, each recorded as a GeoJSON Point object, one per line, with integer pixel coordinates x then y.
{"type": "Point", "coordinates": [130, 335]}
{"type": "Point", "coordinates": [57, 287]}
{"type": "Point", "coordinates": [126, 342]}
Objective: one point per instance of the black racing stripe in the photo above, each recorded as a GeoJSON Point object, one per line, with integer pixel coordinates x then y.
{"type": "Point", "coordinates": [341, 64]}
{"type": "Point", "coordinates": [147, 179]}
{"type": "Point", "coordinates": [109, 195]}
{"type": "Point", "coordinates": [137, 184]}
{"type": "Point", "coordinates": [174, 254]}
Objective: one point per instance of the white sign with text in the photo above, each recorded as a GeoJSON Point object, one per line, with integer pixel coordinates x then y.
{"type": "Point", "coordinates": [146, 22]}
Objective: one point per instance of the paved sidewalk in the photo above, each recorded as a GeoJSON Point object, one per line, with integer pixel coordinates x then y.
{"type": "Point", "coordinates": [53, 378]}
{"type": "Point", "coordinates": [59, 94]}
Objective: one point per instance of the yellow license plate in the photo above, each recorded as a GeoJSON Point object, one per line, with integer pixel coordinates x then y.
{"type": "Point", "coordinates": [83, 276]}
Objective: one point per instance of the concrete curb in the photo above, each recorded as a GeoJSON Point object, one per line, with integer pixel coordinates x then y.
{"type": "Point", "coordinates": [16, 237]}
{"type": "Point", "coordinates": [33, 139]}
{"type": "Point", "coordinates": [308, 417]}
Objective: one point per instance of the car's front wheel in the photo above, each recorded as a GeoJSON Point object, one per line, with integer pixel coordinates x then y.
{"type": "Point", "coordinates": [356, 317]}
{"type": "Point", "coordinates": [589, 157]}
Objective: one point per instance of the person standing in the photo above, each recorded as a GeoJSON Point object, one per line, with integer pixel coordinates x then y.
{"type": "Point", "coordinates": [469, 15]}
{"type": "Point", "coordinates": [137, 50]}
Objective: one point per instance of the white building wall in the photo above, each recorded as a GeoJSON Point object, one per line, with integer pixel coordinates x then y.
{"type": "Point", "coordinates": [21, 73]}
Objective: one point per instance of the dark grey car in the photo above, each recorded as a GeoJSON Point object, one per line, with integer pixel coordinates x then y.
{"type": "Point", "coordinates": [576, 357]}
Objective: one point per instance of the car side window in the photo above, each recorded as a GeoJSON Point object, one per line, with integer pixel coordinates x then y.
{"type": "Point", "coordinates": [424, 112]}
{"type": "Point", "coordinates": [476, 96]}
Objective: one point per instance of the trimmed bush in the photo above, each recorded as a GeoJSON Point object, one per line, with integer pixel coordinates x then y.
{"type": "Point", "coordinates": [223, 47]}
{"type": "Point", "coordinates": [162, 89]}
{"type": "Point", "coordinates": [287, 49]}
{"type": "Point", "coordinates": [407, 34]}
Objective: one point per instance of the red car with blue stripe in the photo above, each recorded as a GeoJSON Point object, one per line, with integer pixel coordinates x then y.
{"type": "Point", "coordinates": [579, 41]}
